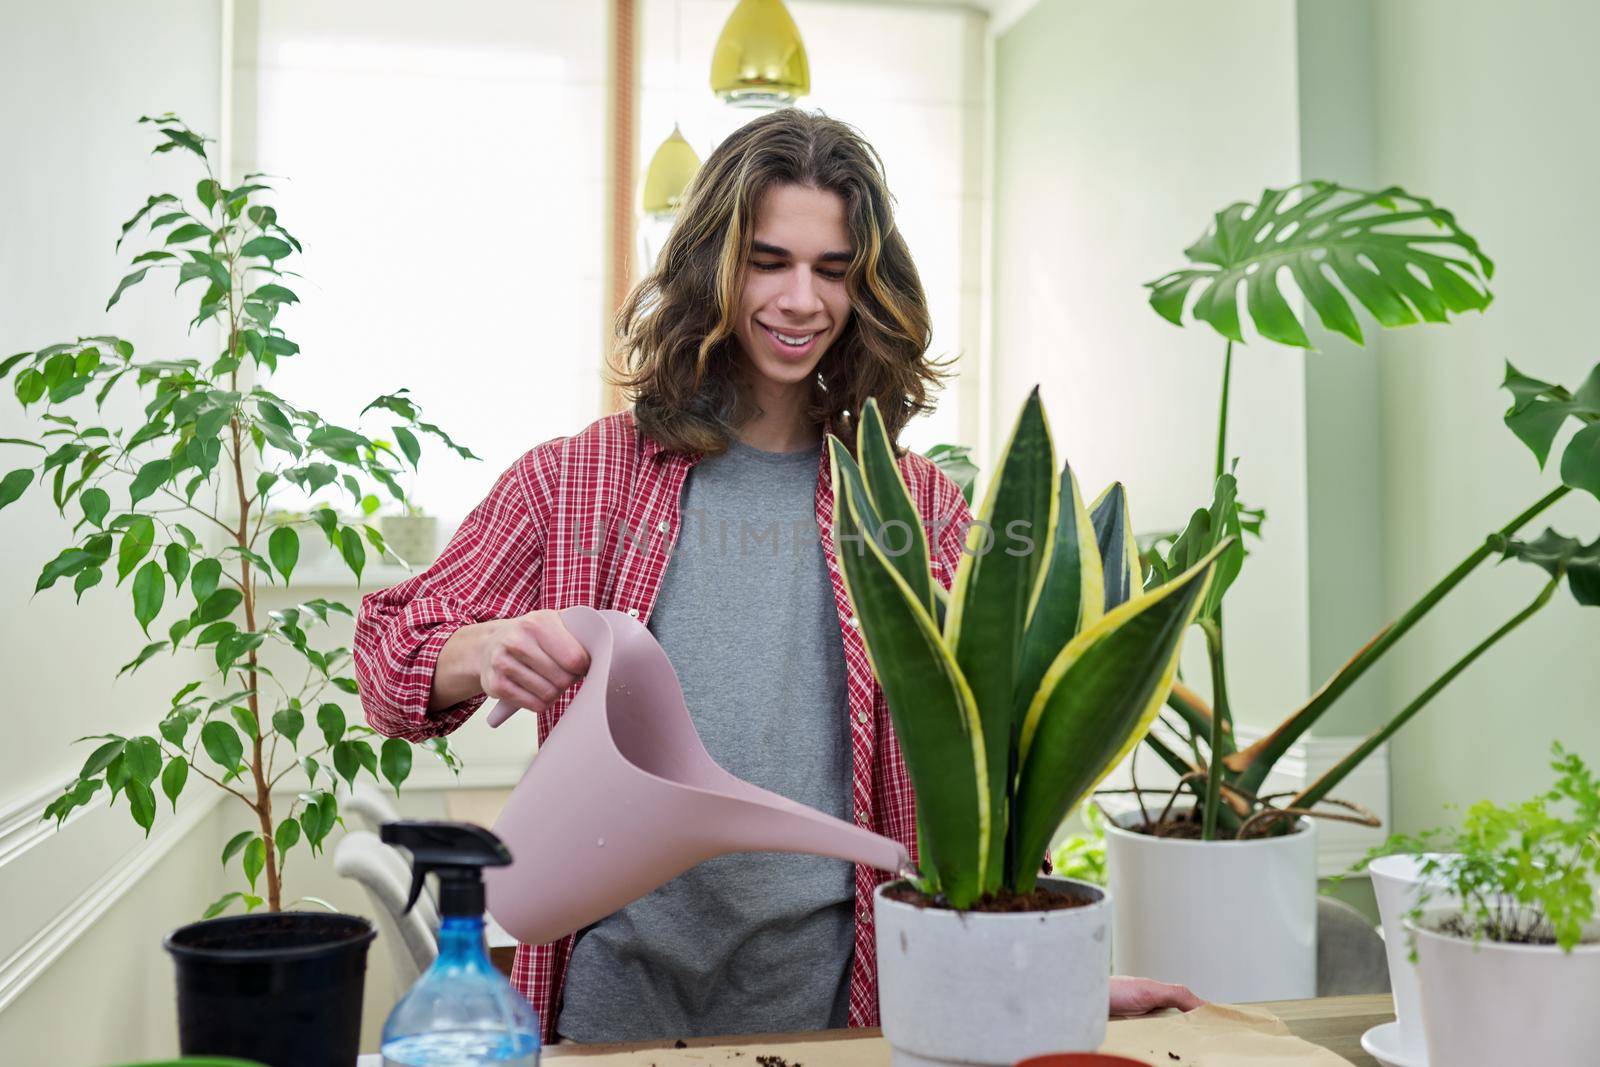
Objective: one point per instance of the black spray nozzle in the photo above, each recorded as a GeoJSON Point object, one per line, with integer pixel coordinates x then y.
{"type": "Point", "coordinates": [456, 852]}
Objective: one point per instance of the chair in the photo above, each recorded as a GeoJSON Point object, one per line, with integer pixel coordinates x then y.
{"type": "Point", "coordinates": [1350, 952]}
{"type": "Point", "coordinates": [412, 938]}
{"type": "Point", "coordinates": [372, 808]}
{"type": "Point", "coordinates": [369, 805]}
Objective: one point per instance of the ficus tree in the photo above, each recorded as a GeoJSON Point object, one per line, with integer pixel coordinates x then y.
{"type": "Point", "coordinates": [1404, 260]}
{"type": "Point", "coordinates": [174, 503]}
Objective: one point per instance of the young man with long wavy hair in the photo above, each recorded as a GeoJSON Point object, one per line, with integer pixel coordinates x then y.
{"type": "Point", "coordinates": [784, 298]}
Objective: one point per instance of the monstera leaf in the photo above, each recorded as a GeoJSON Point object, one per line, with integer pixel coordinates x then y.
{"type": "Point", "coordinates": [1538, 411]}
{"type": "Point", "coordinates": [1558, 556]}
{"type": "Point", "coordinates": [1399, 256]}
{"type": "Point", "coordinates": [1208, 528]}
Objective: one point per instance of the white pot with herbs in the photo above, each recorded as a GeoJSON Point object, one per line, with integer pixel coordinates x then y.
{"type": "Point", "coordinates": [1510, 968]}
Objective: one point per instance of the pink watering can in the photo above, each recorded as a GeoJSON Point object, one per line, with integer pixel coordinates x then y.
{"type": "Point", "coordinates": [622, 797]}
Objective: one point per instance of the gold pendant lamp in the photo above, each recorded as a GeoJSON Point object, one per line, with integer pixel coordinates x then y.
{"type": "Point", "coordinates": [760, 60]}
{"type": "Point", "coordinates": [667, 178]}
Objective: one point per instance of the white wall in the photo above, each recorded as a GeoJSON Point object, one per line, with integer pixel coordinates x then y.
{"type": "Point", "coordinates": [75, 78]}
{"type": "Point", "coordinates": [1120, 129]}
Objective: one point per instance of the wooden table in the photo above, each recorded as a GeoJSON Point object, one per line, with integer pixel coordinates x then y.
{"type": "Point", "coordinates": [1335, 1023]}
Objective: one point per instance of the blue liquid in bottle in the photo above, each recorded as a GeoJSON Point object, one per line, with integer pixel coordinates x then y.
{"type": "Point", "coordinates": [462, 1012]}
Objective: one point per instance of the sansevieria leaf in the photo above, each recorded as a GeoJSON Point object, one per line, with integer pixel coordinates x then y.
{"type": "Point", "coordinates": [1119, 552]}
{"type": "Point", "coordinates": [1400, 256]}
{"type": "Point", "coordinates": [845, 467]}
{"type": "Point", "coordinates": [1097, 701]}
{"type": "Point", "coordinates": [1071, 598]}
{"type": "Point", "coordinates": [891, 543]}
{"type": "Point", "coordinates": [901, 533]}
{"type": "Point", "coordinates": [934, 714]}
{"type": "Point", "coordinates": [997, 580]}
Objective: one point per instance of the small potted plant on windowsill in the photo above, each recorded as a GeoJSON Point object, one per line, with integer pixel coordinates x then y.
{"type": "Point", "coordinates": [1510, 972]}
{"type": "Point", "coordinates": [1012, 696]}
{"type": "Point", "coordinates": [176, 503]}
{"type": "Point", "coordinates": [412, 534]}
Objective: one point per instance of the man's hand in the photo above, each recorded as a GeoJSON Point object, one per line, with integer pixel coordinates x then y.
{"type": "Point", "coordinates": [529, 661]}
{"type": "Point", "coordinates": [1139, 996]}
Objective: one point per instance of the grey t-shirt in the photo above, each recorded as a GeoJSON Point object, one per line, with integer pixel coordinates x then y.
{"type": "Point", "coordinates": [745, 942]}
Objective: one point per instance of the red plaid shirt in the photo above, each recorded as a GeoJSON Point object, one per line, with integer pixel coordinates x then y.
{"type": "Point", "coordinates": [591, 519]}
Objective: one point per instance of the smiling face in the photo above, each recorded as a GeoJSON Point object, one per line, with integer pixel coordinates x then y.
{"type": "Point", "coordinates": [795, 302]}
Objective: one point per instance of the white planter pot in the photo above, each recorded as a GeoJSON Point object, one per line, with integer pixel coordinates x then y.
{"type": "Point", "coordinates": [1396, 881]}
{"type": "Point", "coordinates": [1492, 1004]}
{"type": "Point", "coordinates": [975, 988]}
{"type": "Point", "coordinates": [1235, 921]}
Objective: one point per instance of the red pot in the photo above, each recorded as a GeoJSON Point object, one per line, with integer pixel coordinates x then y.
{"type": "Point", "coordinates": [1079, 1059]}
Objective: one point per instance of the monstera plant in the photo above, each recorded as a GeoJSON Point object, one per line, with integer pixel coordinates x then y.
{"type": "Point", "coordinates": [172, 504]}
{"type": "Point", "coordinates": [1013, 696]}
{"type": "Point", "coordinates": [1404, 260]}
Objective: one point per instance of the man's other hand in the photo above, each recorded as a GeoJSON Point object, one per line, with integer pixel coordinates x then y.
{"type": "Point", "coordinates": [1139, 996]}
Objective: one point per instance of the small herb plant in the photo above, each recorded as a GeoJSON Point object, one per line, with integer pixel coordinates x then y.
{"type": "Point", "coordinates": [178, 503]}
{"type": "Point", "coordinates": [1014, 694]}
{"type": "Point", "coordinates": [1525, 873]}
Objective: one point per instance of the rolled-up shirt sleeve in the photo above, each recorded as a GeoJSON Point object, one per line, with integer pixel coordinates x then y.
{"type": "Point", "coordinates": [491, 569]}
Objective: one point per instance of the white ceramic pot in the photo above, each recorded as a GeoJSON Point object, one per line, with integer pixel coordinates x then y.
{"type": "Point", "coordinates": [1235, 921]}
{"type": "Point", "coordinates": [1493, 1004]}
{"type": "Point", "coordinates": [1396, 881]}
{"type": "Point", "coordinates": [975, 988]}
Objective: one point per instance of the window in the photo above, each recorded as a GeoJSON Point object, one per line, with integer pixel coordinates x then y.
{"type": "Point", "coordinates": [444, 166]}
{"type": "Point", "coordinates": [445, 171]}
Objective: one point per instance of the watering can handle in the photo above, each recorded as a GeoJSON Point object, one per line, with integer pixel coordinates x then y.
{"type": "Point", "coordinates": [505, 709]}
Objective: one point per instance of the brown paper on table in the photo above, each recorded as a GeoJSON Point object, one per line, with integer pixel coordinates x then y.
{"type": "Point", "coordinates": [1215, 1036]}
{"type": "Point", "coordinates": [1212, 1036]}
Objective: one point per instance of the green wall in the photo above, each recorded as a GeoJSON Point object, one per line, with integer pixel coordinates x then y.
{"type": "Point", "coordinates": [1489, 108]}
{"type": "Point", "coordinates": [1118, 134]}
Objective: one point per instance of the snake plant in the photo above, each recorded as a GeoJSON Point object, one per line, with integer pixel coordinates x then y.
{"type": "Point", "coordinates": [1016, 694]}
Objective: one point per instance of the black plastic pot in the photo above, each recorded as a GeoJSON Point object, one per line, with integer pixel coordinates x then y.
{"type": "Point", "coordinates": [284, 989]}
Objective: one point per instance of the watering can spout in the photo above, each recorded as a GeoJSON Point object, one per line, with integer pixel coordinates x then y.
{"type": "Point", "coordinates": [622, 797]}
{"type": "Point", "coordinates": [774, 823]}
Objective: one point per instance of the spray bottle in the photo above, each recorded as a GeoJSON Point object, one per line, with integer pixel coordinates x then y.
{"type": "Point", "coordinates": [462, 1012]}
